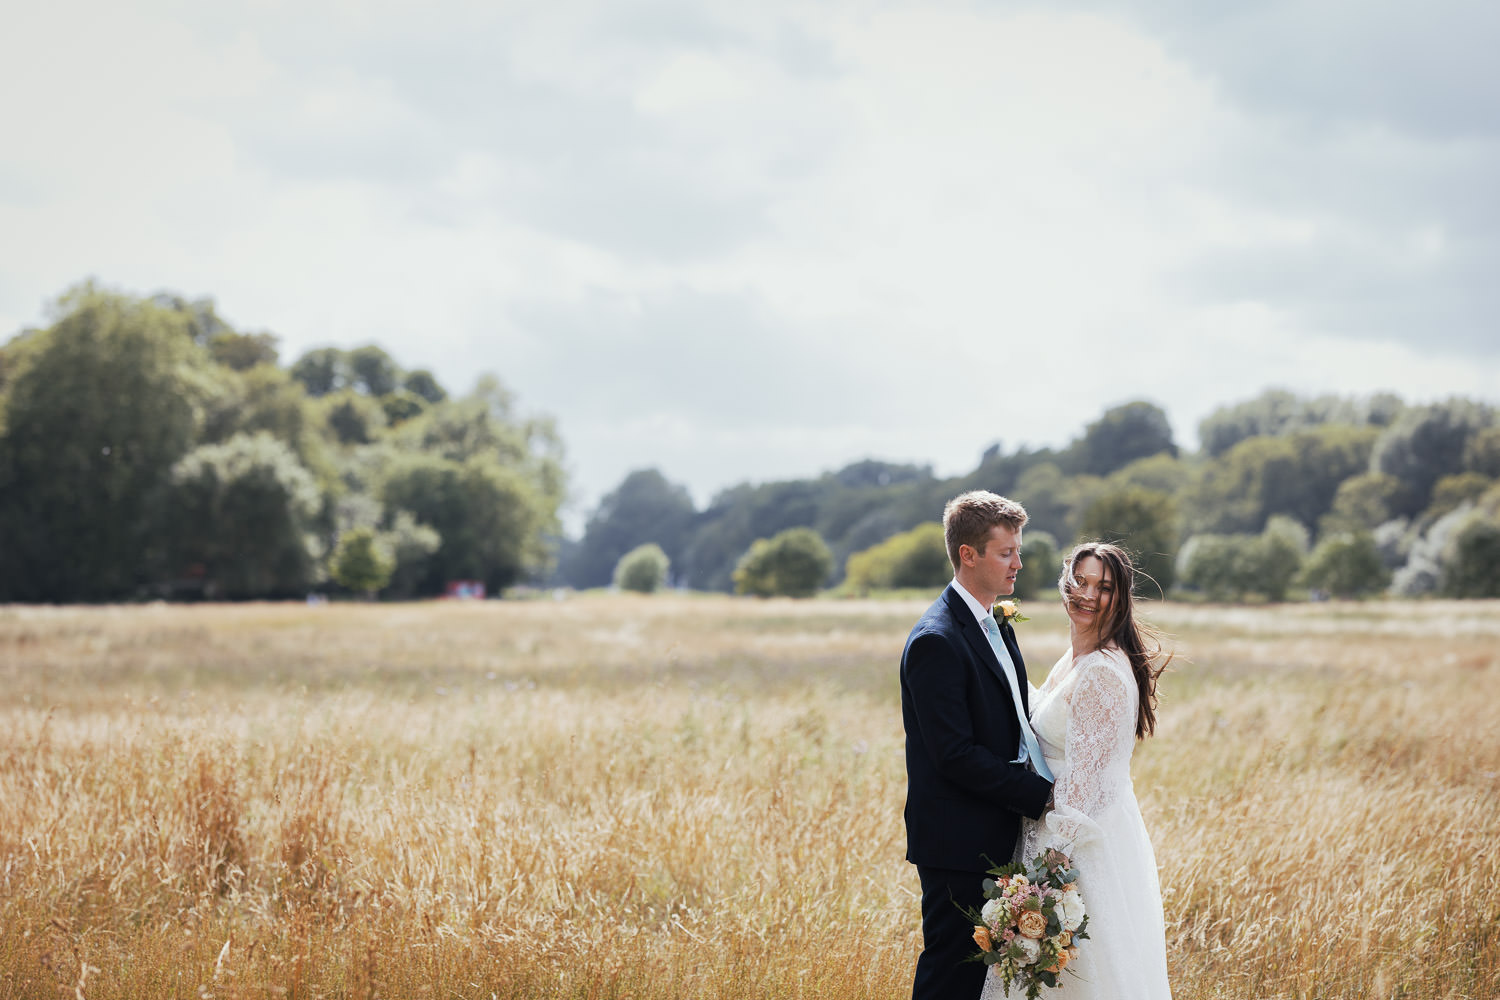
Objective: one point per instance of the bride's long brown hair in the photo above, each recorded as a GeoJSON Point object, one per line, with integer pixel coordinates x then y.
{"type": "Point", "coordinates": [1141, 643]}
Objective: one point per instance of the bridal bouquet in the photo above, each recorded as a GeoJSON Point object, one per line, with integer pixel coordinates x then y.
{"type": "Point", "coordinates": [1032, 920]}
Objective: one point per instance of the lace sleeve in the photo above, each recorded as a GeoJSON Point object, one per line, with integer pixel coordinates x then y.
{"type": "Point", "coordinates": [1101, 735]}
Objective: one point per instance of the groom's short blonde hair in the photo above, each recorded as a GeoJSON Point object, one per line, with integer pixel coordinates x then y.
{"type": "Point", "coordinates": [968, 518]}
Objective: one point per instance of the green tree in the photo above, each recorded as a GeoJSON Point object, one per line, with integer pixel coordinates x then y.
{"type": "Point", "coordinates": [240, 515]}
{"type": "Point", "coordinates": [97, 410]}
{"type": "Point", "coordinates": [645, 507]}
{"type": "Point", "coordinates": [412, 544]}
{"type": "Point", "coordinates": [1362, 503]}
{"type": "Point", "coordinates": [351, 418]}
{"type": "Point", "coordinates": [1471, 558]}
{"type": "Point", "coordinates": [1215, 565]}
{"type": "Point", "coordinates": [485, 425]}
{"type": "Point", "coordinates": [643, 569]}
{"type": "Point", "coordinates": [1482, 453]}
{"type": "Point", "coordinates": [1049, 500]}
{"type": "Point", "coordinates": [1121, 436]}
{"type": "Point", "coordinates": [372, 371]}
{"type": "Point", "coordinates": [1347, 565]}
{"type": "Point", "coordinates": [242, 351]}
{"type": "Point", "coordinates": [493, 520]}
{"type": "Point", "coordinates": [1427, 443]}
{"type": "Point", "coordinates": [424, 384]}
{"type": "Point", "coordinates": [1277, 412]}
{"type": "Point", "coordinates": [1270, 413]}
{"type": "Point", "coordinates": [266, 399]}
{"type": "Point", "coordinates": [1297, 474]}
{"type": "Point", "coordinates": [361, 563]}
{"type": "Point", "coordinates": [1276, 557]}
{"type": "Point", "coordinates": [1451, 492]}
{"type": "Point", "coordinates": [1162, 472]}
{"type": "Point", "coordinates": [199, 317]}
{"type": "Point", "coordinates": [1227, 567]}
{"type": "Point", "coordinates": [1041, 565]}
{"type": "Point", "coordinates": [400, 406]}
{"type": "Point", "coordinates": [321, 371]}
{"type": "Point", "coordinates": [852, 509]}
{"type": "Point", "coordinates": [794, 563]}
{"type": "Point", "coordinates": [1144, 523]}
{"type": "Point", "coordinates": [917, 558]}
{"type": "Point", "coordinates": [738, 516]}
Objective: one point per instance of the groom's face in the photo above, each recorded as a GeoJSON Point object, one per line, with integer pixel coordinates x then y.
{"type": "Point", "coordinates": [996, 567]}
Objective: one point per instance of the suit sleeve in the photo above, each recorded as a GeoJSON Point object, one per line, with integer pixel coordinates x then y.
{"type": "Point", "coordinates": [935, 675]}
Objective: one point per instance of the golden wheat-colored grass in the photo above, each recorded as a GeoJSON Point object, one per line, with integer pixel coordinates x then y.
{"type": "Point", "coordinates": [611, 797]}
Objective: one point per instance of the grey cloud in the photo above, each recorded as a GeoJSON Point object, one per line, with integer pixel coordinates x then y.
{"type": "Point", "coordinates": [583, 164]}
{"type": "Point", "coordinates": [716, 358]}
{"type": "Point", "coordinates": [23, 187]}
{"type": "Point", "coordinates": [1419, 68]}
{"type": "Point", "coordinates": [1372, 124]}
{"type": "Point", "coordinates": [1370, 200]}
{"type": "Point", "coordinates": [632, 210]}
{"type": "Point", "coordinates": [656, 25]}
{"type": "Point", "coordinates": [686, 25]}
{"type": "Point", "coordinates": [1356, 291]}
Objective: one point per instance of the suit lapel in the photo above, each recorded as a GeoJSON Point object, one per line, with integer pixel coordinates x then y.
{"type": "Point", "coordinates": [1008, 634]}
{"type": "Point", "coordinates": [977, 640]}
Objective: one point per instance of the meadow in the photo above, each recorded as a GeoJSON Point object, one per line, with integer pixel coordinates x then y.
{"type": "Point", "coordinates": [695, 796]}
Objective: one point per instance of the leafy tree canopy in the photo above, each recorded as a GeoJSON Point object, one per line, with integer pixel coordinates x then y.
{"type": "Point", "coordinates": [147, 447]}
{"type": "Point", "coordinates": [646, 508]}
{"type": "Point", "coordinates": [915, 558]}
{"type": "Point", "coordinates": [1121, 436]}
{"type": "Point", "coordinates": [794, 563]}
{"type": "Point", "coordinates": [643, 569]}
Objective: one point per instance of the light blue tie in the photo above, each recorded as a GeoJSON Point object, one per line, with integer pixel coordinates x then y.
{"type": "Point", "coordinates": [1033, 749]}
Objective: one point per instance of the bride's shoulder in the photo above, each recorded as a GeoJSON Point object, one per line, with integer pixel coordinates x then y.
{"type": "Point", "coordinates": [1111, 659]}
{"type": "Point", "coordinates": [1104, 655]}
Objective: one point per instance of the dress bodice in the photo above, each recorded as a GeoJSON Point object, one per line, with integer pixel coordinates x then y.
{"type": "Point", "coordinates": [1084, 717]}
{"type": "Point", "coordinates": [1085, 722]}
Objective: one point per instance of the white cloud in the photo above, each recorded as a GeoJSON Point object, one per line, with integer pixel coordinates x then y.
{"type": "Point", "coordinates": [746, 242]}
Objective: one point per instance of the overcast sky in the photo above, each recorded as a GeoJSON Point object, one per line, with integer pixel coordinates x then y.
{"type": "Point", "coordinates": [753, 241]}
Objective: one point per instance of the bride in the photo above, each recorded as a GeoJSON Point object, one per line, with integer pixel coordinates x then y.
{"type": "Point", "coordinates": [1099, 698]}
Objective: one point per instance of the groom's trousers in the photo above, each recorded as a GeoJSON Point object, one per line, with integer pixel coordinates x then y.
{"type": "Point", "coordinates": [948, 935]}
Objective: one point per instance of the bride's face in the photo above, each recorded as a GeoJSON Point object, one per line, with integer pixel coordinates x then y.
{"type": "Point", "coordinates": [1091, 593]}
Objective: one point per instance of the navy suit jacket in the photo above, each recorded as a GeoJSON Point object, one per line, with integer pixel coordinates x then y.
{"type": "Point", "coordinates": [964, 796]}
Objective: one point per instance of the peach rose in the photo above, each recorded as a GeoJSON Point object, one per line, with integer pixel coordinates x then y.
{"type": "Point", "coordinates": [1064, 939]}
{"type": "Point", "coordinates": [982, 938]}
{"type": "Point", "coordinates": [1063, 958]}
{"type": "Point", "coordinates": [1032, 923]}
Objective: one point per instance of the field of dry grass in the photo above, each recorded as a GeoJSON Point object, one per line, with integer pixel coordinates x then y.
{"type": "Point", "coordinates": [655, 798]}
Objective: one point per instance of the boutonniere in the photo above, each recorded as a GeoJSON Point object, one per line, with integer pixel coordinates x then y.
{"type": "Point", "coordinates": [1009, 613]}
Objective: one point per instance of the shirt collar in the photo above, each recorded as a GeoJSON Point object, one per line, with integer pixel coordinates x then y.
{"type": "Point", "coordinates": [980, 611]}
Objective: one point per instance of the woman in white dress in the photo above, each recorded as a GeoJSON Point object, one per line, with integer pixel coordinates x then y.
{"type": "Point", "coordinates": [1098, 700]}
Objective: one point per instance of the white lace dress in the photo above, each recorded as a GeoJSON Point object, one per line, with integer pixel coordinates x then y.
{"type": "Point", "coordinates": [1084, 718]}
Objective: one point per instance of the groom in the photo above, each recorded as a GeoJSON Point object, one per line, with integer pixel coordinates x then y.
{"type": "Point", "coordinates": [968, 779]}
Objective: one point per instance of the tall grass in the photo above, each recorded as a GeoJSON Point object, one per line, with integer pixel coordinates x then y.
{"type": "Point", "coordinates": [614, 797]}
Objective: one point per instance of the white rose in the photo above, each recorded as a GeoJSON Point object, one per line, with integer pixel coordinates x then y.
{"type": "Point", "coordinates": [993, 910]}
{"type": "Point", "coordinates": [1072, 907]}
{"type": "Point", "coordinates": [1030, 950]}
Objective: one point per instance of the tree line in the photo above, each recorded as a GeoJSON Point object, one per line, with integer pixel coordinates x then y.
{"type": "Point", "coordinates": [1287, 495]}
{"type": "Point", "coordinates": [147, 449]}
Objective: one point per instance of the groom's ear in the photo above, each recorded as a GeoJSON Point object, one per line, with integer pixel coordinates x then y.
{"type": "Point", "coordinates": [967, 555]}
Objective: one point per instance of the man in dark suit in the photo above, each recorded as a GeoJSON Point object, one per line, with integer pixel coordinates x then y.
{"type": "Point", "coordinates": [969, 779]}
